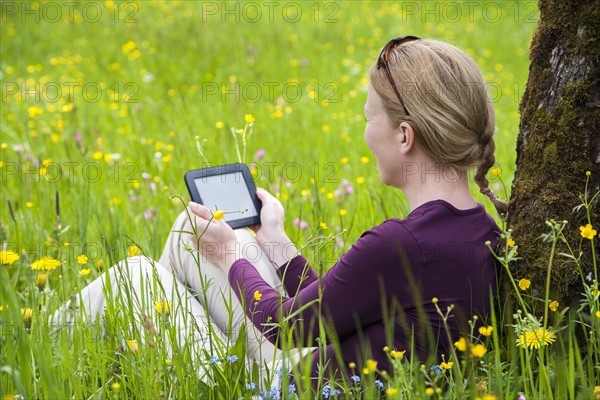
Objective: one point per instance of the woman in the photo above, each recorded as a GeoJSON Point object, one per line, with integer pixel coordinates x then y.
{"type": "Point", "coordinates": [429, 122]}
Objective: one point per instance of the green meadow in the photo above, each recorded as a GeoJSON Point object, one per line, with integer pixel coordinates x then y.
{"type": "Point", "coordinates": [105, 106]}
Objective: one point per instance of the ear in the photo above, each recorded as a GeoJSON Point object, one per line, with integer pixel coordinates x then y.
{"type": "Point", "coordinates": [407, 137]}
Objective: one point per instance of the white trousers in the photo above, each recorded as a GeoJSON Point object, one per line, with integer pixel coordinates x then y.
{"type": "Point", "coordinates": [204, 309]}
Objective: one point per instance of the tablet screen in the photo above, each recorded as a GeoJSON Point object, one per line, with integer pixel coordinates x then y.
{"type": "Point", "coordinates": [228, 192]}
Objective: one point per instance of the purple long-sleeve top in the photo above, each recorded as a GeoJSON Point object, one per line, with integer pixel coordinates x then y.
{"type": "Point", "coordinates": [380, 291]}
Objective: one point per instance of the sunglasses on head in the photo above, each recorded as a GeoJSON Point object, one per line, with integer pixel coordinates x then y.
{"type": "Point", "coordinates": [384, 58]}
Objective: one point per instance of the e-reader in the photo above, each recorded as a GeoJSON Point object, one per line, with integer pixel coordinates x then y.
{"type": "Point", "coordinates": [228, 188]}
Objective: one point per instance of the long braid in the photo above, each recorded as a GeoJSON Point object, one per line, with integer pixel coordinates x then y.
{"type": "Point", "coordinates": [486, 141]}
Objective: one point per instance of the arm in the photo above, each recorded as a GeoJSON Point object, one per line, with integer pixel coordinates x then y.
{"type": "Point", "coordinates": [350, 293]}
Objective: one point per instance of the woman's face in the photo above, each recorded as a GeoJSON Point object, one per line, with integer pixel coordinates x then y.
{"type": "Point", "coordinates": [382, 139]}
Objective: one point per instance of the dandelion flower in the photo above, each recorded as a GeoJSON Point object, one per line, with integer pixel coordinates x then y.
{"type": "Point", "coordinates": [27, 314]}
{"type": "Point", "coordinates": [82, 259]}
{"type": "Point", "coordinates": [524, 284]}
{"type": "Point", "coordinates": [219, 215]}
{"type": "Point", "coordinates": [132, 344]}
{"type": "Point", "coordinates": [461, 344]}
{"type": "Point", "coordinates": [536, 338]}
{"type": "Point", "coordinates": [85, 271]}
{"type": "Point", "coordinates": [41, 280]}
{"type": "Point", "coordinates": [391, 391]}
{"type": "Point", "coordinates": [587, 231]}
{"type": "Point", "coordinates": [249, 118]}
{"type": "Point", "coordinates": [163, 307]}
{"type": "Point", "coordinates": [323, 225]}
{"type": "Point", "coordinates": [496, 171]}
{"type": "Point", "coordinates": [486, 330]}
{"type": "Point", "coordinates": [8, 257]}
{"type": "Point", "coordinates": [364, 160]}
{"type": "Point", "coordinates": [45, 263]}
{"type": "Point", "coordinates": [133, 250]}
{"type": "Point", "coordinates": [116, 386]}
{"type": "Point", "coordinates": [553, 305]}
{"type": "Point", "coordinates": [478, 350]}
{"type": "Point", "coordinates": [489, 397]}
{"type": "Point", "coordinates": [429, 391]}
{"type": "Point", "coordinates": [257, 295]}
{"type": "Point", "coordinates": [511, 243]}
{"type": "Point", "coordinates": [598, 314]}
{"type": "Point", "coordinates": [343, 212]}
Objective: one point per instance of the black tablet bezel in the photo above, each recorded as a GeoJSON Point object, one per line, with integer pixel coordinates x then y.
{"type": "Point", "coordinates": [191, 176]}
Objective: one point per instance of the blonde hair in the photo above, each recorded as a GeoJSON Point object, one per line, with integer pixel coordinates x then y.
{"type": "Point", "coordinates": [448, 105]}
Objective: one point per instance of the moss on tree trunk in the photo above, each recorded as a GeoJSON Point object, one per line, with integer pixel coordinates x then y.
{"type": "Point", "coordinates": [558, 142]}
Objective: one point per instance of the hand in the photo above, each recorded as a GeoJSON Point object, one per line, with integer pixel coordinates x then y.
{"type": "Point", "coordinates": [216, 237]}
{"type": "Point", "coordinates": [270, 233]}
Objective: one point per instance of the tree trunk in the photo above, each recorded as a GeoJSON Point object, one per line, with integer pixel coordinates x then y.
{"type": "Point", "coordinates": [558, 142]}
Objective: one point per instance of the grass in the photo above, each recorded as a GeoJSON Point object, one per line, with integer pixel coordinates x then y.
{"type": "Point", "coordinates": [139, 81]}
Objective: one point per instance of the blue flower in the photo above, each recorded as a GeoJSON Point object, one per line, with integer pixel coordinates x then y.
{"type": "Point", "coordinates": [213, 360]}
{"type": "Point", "coordinates": [279, 372]}
{"type": "Point", "coordinates": [251, 386]}
{"type": "Point", "coordinates": [326, 391]}
{"type": "Point", "coordinates": [232, 359]}
{"type": "Point", "coordinates": [291, 388]}
{"type": "Point", "coordinates": [275, 393]}
{"type": "Point", "coordinates": [437, 369]}
{"type": "Point", "coordinates": [379, 384]}
{"type": "Point", "coordinates": [355, 379]}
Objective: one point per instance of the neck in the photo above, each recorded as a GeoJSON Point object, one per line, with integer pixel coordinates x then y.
{"type": "Point", "coordinates": [445, 185]}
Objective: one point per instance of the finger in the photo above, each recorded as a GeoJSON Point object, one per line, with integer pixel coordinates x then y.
{"type": "Point", "coordinates": [263, 195]}
{"type": "Point", "coordinates": [200, 210]}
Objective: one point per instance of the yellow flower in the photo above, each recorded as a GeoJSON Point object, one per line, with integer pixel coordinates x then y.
{"type": "Point", "coordinates": [598, 314]}
{"type": "Point", "coordinates": [489, 397]}
{"type": "Point", "coordinates": [511, 242]}
{"type": "Point", "coordinates": [100, 263]}
{"type": "Point", "coordinates": [27, 313]}
{"type": "Point", "coordinates": [323, 225]}
{"type": "Point", "coordinates": [249, 118]}
{"type": "Point", "coordinates": [82, 259]}
{"type": "Point", "coordinates": [360, 180]}
{"type": "Point", "coordinates": [364, 160]}
{"type": "Point", "coordinates": [391, 391]}
{"type": "Point", "coordinates": [163, 306]}
{"type": "Point", "coordinates": [343, 212]}
{"type": "Point", "coordinates": [553, 305]}
{"type": "Point", "coordinates": [29, 204]}
{"type": "Point", "coordinates": [536, 338]}
{"type": "Point", "coordinates": [8, 257]}
{"type": "Point", "coordinates": [116, 386]}
{"type": "Point", "coordinates": [133, 250]}
{"type": "Point", "coordinates": [41, 280]}
{"type": "Point", "coordinates": [478, 350]}
{"type": "Point", "coordinates": [524, 284]}
{"type": "Point", "coordinates": [461, 345]}
{"type": "Point", "coordinates": [587, 231]}
{"type": "Point", "coordinates": [1, 308]}
{"type": "Point", "coordinates": [371, 366]}
{"type": "Point", "coordinates": [219, 215]}
{"type": "Point", "coordinates": [495, 171]}
{"type": "Point", "coordinates": [352, 365]}
{"type": "Point", "coordinates": [46, 263]}
{"type": "Point", "coordinates": [168, 362]}
{"type": "Point", "coordinates": [133, 345]}
{"type": "Point", "coordinates": [446, 365]}
{"type": "Point", "coordinates": [429, 391]}
{"type": "Point", "coordinates": [434, 300]}
{"type": "Point", "coordinates": [257, 295]}
{"type": "Point", "coordinates": [397, 354]}
{"type": "Point", "coordinates": [486, 330]}
{"type": "Point", "coordinates": [587, 173]}
{"type": "Point", "coordinates": [97, 155]}
{"type": "Point", "coordinates": [219, 124]}
{"type": "Point", "coordinates": [85, 271]}
{"type": "Point", "coordinates": [344, 160]}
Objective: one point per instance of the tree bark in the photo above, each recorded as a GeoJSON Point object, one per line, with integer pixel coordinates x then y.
{"type": "Point", "coordinates": [558, 142]}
